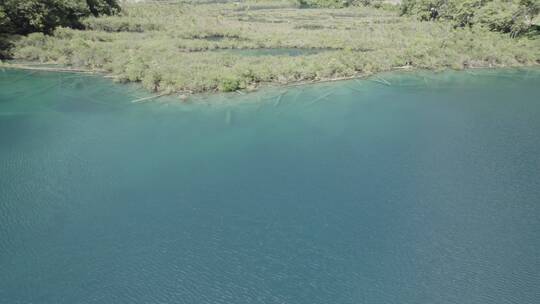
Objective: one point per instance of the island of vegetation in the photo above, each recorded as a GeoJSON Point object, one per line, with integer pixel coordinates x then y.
{"type": "Point", "coordinates": [189, 47]}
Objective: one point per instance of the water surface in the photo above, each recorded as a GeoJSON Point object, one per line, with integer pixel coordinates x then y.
{"type": "Point", "coordinates": [410, 188]}
{"type": "Point", "coordinates": [292, 52]}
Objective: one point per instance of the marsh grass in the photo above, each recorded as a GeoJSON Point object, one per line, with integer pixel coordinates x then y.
{"type": "Point", "coordinates": [172, 47]}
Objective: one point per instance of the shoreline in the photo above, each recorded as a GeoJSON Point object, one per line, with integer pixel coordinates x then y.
{"type": "Point", "coordinates": [31, 67]}
{"type": "Point", "coordinates": [262, 47]}
{"type": "Point", "coordinates": [184, 95]}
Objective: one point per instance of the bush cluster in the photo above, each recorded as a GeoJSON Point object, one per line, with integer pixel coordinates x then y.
{"type": "Point", "coordinates": [27, 16]}
{"type": "Point", "coordinates": [508, 16]}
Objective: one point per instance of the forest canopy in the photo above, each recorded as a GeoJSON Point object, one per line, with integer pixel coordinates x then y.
{"type": "Point", "coordinates": [508, 16]}
{"type": "Point", "coordinates": [27, 16]}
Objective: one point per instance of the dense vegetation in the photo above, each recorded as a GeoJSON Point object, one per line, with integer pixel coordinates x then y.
{"type": "Point", "coordinates": [208, 47]}
{"type": "Point", "coordinates": [509, 16]}
{"type": "Point", "coordinates": [341, 3]}
{"type": "Point", "coordinates": [27, 16]}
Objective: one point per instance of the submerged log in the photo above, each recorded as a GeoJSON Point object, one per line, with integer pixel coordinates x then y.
{"type": "Point", "coordinates": [149, 98]}
{"type": "Point", "coordinates": [49, 69]}
{"type": "Point", "coordinates": [381, 80]}
{"type": "Point", "coordinates": [324, 96]}
{"type": "Point", "coordinates": [278, 99]}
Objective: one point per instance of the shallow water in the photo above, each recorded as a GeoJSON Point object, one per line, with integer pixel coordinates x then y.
{"type": "Point", "coordinates": [292, 52]}
{"type": "Point", "coordinates": [404, 188]}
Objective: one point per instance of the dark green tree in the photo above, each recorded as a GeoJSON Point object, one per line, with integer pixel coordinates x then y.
{"type": "Point", "coordinates": [27, 16]}
{"type": "Point", "coordinates": [508, 16]}
{"type": "Point", "coordinates": [103, 7]}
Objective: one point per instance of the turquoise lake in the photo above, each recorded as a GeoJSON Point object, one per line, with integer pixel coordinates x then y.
{"type": "Point", "coordinates": [402, 188]}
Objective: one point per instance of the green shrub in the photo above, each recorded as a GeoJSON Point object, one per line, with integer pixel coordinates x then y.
{"type": "Point", "coordinates": [423, 9]}
{"type": "Point", "coordinates": [507, 16]}
{"type": "Point", "coordinates": [152, 80]}
{"type": "Point", "coordinates": [229, 84]}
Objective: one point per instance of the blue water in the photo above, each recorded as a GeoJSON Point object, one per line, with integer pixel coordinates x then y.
{"type": "Point", "coordinates": [410, 188]}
